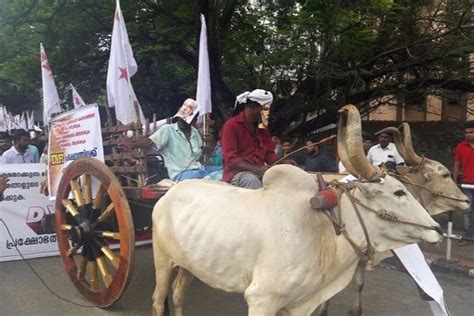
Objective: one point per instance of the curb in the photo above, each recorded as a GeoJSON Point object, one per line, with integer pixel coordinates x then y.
{"type": "Point", "coordinates": [441, 265]}
{"type": "Point", "coordinates": [450, 266]}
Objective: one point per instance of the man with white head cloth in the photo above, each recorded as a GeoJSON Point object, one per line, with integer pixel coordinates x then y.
{"type": "Point", "coordinates": [248, 150]}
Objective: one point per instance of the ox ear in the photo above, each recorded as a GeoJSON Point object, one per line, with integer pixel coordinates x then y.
{"type": "Point", "coordinates": [369, 190]}
{"type": "Point", "coordinates": [402, 170]}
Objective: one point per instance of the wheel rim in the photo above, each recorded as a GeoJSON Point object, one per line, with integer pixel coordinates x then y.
{"type": "Point", "coordinates": [86, 228]}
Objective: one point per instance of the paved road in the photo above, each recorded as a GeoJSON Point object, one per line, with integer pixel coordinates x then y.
{"type": "Point", "coordinates": [387, 292]}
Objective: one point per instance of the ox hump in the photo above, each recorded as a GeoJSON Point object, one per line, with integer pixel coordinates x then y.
{"type": "Point", "coordinates": [288, 178]}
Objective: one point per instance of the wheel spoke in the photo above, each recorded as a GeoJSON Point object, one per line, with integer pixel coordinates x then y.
{"type": "Point", "coordinates": [104, 271]}
{"type": "Point", "coordinates": [113, 235]}
{"type": "Point", "coordinates": [110, 255]}
{"type": "Point", "coordinates": [76, 191]}
{"type": "Point", "coordinates": [81, 270]}
{"type": "Point", "coordinates": [99, 197]}
{"type": "Point", "coordinates": [106, 214]}
{"type": "Point", "coordinates": [87, 188]}
{"type": "Point", "coordinates": [66, 227]}
{"type": "Point", "coordinates": [72, 251]}
{"type": "Point", "coordinates": [70, 207]}
{"type": "Point", "coordinates": [94, 276]}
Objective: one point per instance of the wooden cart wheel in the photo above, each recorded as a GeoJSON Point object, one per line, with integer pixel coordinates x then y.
{"type": "Point", "coordinates": [88, 225]}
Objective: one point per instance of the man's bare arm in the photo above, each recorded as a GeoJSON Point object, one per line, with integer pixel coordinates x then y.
{"type": "Point", "coordinates": [129, 143]}
{"type": "Point", "coordinates": [3, 184]}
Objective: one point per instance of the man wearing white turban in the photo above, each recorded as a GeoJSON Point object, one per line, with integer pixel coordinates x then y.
{"type": "Point", "coordinates": [248, 150]}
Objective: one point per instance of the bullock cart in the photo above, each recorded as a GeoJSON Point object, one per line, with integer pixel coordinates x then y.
{"type": "Point", "coordinates": [101, 209]}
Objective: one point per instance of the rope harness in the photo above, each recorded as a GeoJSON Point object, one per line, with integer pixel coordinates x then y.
{"type": "Point", "coordinates": [406, 180]}
{"type": "Point", "coordinates": [366, 253]}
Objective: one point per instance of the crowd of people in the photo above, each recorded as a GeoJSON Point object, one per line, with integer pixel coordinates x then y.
{"type": "Point", "coordinates": [244, 150]}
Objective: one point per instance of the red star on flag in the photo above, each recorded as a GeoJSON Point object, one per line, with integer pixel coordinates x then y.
{"type": "Point", "coordinates": [123, 73]}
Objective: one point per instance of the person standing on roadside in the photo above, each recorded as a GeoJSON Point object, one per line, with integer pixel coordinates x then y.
{"type": "Point", "coordinates": [385, 152]}
{"type": "Point", "coordinates": [19, 152]}
{"type": "Point", "coordinates": [464, 163]}
{"type": "Point", "coordinates": [316, 158]}
{"type": "Point", "coordinates": [368, 142]}
{"type": "Point", "coordinates": [5, 142]}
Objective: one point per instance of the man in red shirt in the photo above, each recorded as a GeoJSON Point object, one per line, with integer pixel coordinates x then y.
{"type": "Point", "coordinates": [464, 160]}
{"type": "Point", "coordinates": [248, 151]}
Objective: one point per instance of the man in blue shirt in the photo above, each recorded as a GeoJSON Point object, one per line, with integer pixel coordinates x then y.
{"type": "Point", "coordinates": [317, 160]}
{"type": "Point", "coordinates": [181, 146]}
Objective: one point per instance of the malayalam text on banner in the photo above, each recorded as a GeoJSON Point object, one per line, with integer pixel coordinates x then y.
{"type": "Point", "coordinates": [73, 135]}
{"type": "Point", "coordinates": [28, 214]}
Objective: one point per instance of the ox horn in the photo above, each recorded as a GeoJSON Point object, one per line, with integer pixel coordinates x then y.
{"type": "Point", "coordinates": [342, 147]}
{"type": "Point", "coordinates": [397, 139]}
{"type": "Point", "coordinates": [412, 158]}
{"type": "Point", "coordinates": [352, 128]}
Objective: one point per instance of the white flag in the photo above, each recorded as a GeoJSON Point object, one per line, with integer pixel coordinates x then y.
{"type": "Point", "coordinates": [122, 66]}
{"type": "Point", "coordinates": [11, 122]}
{"type": "Point", "coordinates": [3, 120]}
{"type": "Point", "coordinates": [31, 119]}
{"type": "Point", "coordinates": [50, 93]}
{"type": "Point", "coordinates": [203, 95]}
{"type": "Point", "coordinates": [76, 99]}
{"type": "Point", "coordinates": [23, 122]}
{"type": "Point", "coordinates": [16, 119]}
{"type": "Point", "coordinates": [8, 120]}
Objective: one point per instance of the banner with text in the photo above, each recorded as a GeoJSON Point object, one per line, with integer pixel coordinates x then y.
{"type": "Point", "coordinates": [27, 215]}
{"type": "Point", "coordinates": [73, 135]}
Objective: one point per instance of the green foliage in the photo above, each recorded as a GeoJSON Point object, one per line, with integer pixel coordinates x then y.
{"type": "Point", "coordinates": [313, 53]}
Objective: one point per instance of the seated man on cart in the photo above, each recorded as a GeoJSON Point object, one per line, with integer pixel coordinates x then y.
{"type": "Point", "coordinates": [181, 146]}
{"type": "Point", "coordinates": [248, 150]}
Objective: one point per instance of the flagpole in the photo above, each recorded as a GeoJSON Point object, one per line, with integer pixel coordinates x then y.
{"type": "Point", "coordinates": [203, 93]}
{"type": "Point", "coordinates": [130, 88]}
{"type": "Point", "coordinates": [140, 177]}
{"type": "Point", "coordinates": [72, 95]}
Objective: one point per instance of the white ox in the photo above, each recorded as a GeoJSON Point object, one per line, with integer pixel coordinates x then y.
{"type": "Point", "coordinates": [270, 244]}
{"type": "Point", "coordinates": [430, 183]}
{"type": "Point", "coordinates": [428, 180]}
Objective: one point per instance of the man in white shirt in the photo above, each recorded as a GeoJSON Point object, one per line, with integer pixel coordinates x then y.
{"type": "Point", "coordinates": [384, 152]}
{"type": "Point", "coordinates": [19, 152]}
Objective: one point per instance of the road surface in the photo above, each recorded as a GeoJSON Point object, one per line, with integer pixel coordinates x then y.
{"type": "Point", "coordinates": [387, 292]}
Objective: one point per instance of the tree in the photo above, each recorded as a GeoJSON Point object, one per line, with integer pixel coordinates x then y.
{"type": "Point", "coordinates": [314, 55]}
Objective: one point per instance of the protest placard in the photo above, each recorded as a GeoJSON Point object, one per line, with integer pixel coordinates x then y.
{"type": "Point", "coordinates": [73, 135]}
